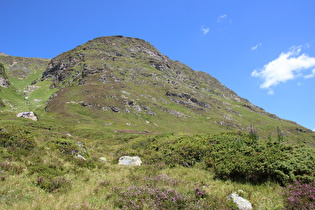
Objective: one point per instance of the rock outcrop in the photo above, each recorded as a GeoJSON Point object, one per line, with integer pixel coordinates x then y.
{"type": "Point", "coordinates": [29, 115]}
{"type": "Point", "coordinates": [4, 81]}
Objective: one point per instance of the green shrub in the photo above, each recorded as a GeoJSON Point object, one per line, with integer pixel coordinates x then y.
{"type": "Point", "coordinates": [295, 164]}
{"type": "Point", "coordinates": [241, 159]}
{"type": "Point", "coordinates": [44, 169]}
{"type": "Point", "coordinates": [55, 184]}
{"type": "Point", "coordinates": [232, 155]}
{"type": "Point", "coordinates": [66, 146]}
{"type": "Point", "coordinates": [19, 140]}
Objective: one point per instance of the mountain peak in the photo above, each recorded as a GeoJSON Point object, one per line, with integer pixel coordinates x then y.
{"type": "Point", "coordinates": [108, 55]}
{"type": "Point", "coordinates": [127, 46]}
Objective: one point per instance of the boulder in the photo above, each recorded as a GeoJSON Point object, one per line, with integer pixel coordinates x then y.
{"type": "Point", "coordinates": [241, 202]}
{"type": "Point", "coordinates": [29, 115]}
{"type": "Point", "coordinates": [131, 161]}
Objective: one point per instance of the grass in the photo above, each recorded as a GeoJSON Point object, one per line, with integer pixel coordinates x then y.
{"type": "Point", "coordinates": [97, 185]}
{"type": "Point", "coordinates": [91, 189]}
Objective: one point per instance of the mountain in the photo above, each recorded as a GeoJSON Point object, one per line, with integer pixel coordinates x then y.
{"type": "Point", "coordinates": [125, 84]}
{"type": "Point", "coordinates": [115, 97]}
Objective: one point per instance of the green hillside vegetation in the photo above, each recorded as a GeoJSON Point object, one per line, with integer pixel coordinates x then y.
{"type": "Point", "coordinates": [117, 96]}
{"type": "Point", "coordinates": [38, 159]}
{"type": "Point", "coordinates": [22, 94]}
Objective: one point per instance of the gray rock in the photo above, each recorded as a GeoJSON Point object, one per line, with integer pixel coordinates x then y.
{"type": "Point", "coordinates": [29, 115]}
{"type": "Point", "coordinates": [128, 160]}
{"type": "Point", "coordinates": [241, 202]}
{"type": "Point", "coordinates": [4, 82]}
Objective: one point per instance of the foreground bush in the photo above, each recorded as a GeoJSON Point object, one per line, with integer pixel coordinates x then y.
{"type": "Point", "coordinates": [234, 155]}
{"type": "Point", "coordinates": [243, 159]}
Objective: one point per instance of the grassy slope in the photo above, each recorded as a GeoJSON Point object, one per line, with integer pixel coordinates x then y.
{"type": "Point", "coordinates": [21, 94]}
{"type": "Point", "coordinates": [99, 117]}
{"type": "Point", "coordinates": [92, 183]}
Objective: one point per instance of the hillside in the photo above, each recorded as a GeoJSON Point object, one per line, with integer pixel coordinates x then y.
{"type": "Point", "coordinates": [22, 72]}
{"type": "Point", "coordinates": [124, 83]}
{"type": "Point", "coordinates": [119, 96]}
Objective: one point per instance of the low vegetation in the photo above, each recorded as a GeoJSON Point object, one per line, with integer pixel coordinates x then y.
{"type": "Point", "coordinates": [39, 168]}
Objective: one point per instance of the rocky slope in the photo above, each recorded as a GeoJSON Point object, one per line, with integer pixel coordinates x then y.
{"type": "Point", "coordinates": [127, 84]}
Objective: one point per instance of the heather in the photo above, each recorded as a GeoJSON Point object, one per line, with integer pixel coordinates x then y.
{"type": "Point", "coordinates": [300, 195]}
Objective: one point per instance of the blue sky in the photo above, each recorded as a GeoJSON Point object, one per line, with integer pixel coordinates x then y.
{"type": "Point", "coordinates": [262, 50]}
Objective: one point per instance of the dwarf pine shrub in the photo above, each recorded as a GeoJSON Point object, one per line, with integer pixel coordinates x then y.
{"type": "Point", "coordinates": [232, 155]}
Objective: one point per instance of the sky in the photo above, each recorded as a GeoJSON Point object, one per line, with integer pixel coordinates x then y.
{"type": "Point", "coordinates": [263, 50]}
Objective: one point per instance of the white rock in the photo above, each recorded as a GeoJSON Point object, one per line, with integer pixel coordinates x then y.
{"type": "Point", "coordinates": [29, 115]}
{"type": "Point", "coordinates": [128, 160]}
{"type": "Point", "coordinates": [241, 202]}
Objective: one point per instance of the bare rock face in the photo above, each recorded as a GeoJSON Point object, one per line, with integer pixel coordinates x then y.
{"type": "Point", "coordinates": [4, 81]}
{"type": "Point", "coordinates": [29, 115]}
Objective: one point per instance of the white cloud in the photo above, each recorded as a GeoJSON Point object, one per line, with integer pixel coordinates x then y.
{"type": "Point", "coordinates": [286, 67]}
{"type": "Point", "coordinates": [221, 18]}
{"type": "Point", "coordinates": [256, 46]}
{"type": "Point", "coordinates": [204, 30]}
{"type": "Point", "coordinates": [310, 75]}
